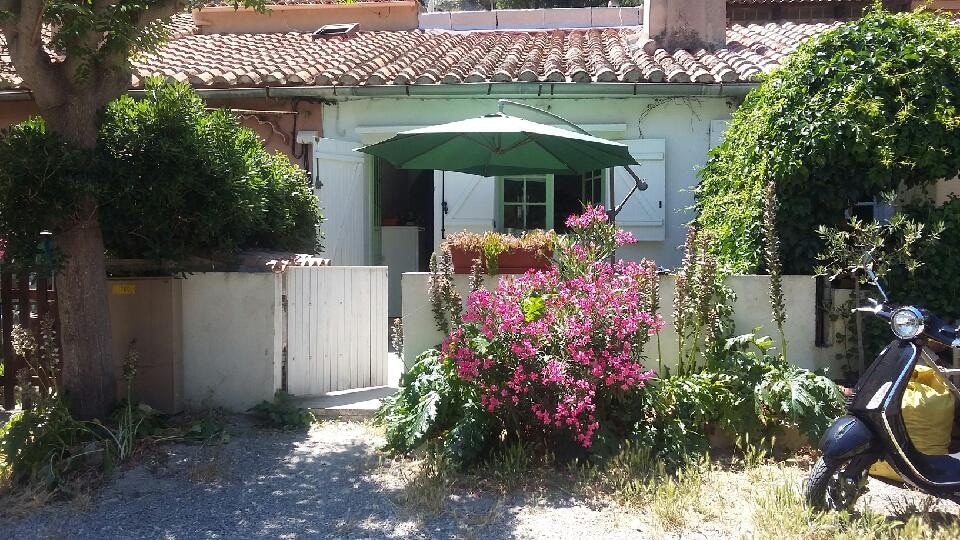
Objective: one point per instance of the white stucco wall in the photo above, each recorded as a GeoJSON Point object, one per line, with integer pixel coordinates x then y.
{"type": "Point", "coordinates": [752, 309]}
{"type": "Point", "coordinates": [684, 123]}
{"type": "Point", "coordinates": [231, 339]}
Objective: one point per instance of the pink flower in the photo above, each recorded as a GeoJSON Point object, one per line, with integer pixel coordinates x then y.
{"type": "Point", "coordinates": [590, 216]}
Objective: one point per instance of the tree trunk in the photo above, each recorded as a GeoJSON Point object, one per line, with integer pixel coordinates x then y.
{"type": "Point", "coordinates": [88, 372]}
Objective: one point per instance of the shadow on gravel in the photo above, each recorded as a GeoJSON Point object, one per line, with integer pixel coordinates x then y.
{"type": "Point", "coordinates": [267, 485]}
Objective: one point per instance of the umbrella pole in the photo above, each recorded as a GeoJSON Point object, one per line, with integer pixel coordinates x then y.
{"type": "Point", "coordinates": [612, 212]}
{"type": "Point", "coordinates": [443, 204]}
{"type": "Point", "coordinates": [638, 185]}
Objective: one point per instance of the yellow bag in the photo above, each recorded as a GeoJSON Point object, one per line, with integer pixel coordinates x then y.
{"type": "Point", "coordinates": [928, 407]}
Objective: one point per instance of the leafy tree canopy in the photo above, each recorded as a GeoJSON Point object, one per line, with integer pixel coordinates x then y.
{"type": "Point", "coordinates": [870, 107]}
{"type": "Point", "coordinates": [173, 180]}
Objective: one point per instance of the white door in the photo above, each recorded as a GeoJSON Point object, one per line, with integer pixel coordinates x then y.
{"type": "Point", "coordinates": [645, 212]}
{"type": "Point", "coordinates": [469, 203]}
{"type": "Point", "coordinates": [340, 182]}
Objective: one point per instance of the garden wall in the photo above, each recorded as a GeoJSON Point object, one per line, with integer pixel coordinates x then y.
{"type": "Point", "coordinates": [232, 339]}
{"type": "Point", "coordinates": [752, 309]}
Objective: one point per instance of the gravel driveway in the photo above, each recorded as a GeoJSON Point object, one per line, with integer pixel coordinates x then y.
{"type": "Point", "coordinates": [329, 483]}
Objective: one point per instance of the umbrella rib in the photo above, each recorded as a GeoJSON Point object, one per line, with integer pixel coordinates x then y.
{"type": "Point", "coordinates": [403, 165]}
{"type": "Point", "coordinates": [547, 150]}
{"type": "Point", "coordinates": [470, 137]}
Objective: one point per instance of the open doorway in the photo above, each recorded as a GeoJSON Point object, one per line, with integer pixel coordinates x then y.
{"type": "Point", "coordinates": [405, 223]}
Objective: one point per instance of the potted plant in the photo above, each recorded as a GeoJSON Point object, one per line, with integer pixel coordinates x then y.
{"type": "Point", "coordinates": [500, 253]}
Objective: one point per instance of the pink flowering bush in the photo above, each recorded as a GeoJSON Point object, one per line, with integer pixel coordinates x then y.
{"type": "Point", "coordinates": [558, 353]}
{"type": "Point", "coordinates": [592, 238]}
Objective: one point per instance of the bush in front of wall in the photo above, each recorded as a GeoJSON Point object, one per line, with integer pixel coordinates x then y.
{"type": "Point", "coordinates": [863, 109]}
{"type": "Point", "coordinates": [188, 181]}
{"type": "Point", "coordinates": [748, 393]}
{"type": "Point", "coordinates": [283, 413]}
{"type": "Point", "coordinates": [436, 409]}
{"type": "Point", "coordinates": [550, 360]}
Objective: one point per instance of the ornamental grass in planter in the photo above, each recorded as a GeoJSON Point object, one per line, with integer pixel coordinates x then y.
{"type": "Point", "coordinates": [500, 253]}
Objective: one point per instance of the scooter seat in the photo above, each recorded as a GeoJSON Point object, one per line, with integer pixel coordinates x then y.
{"type": "Point", "coordinates": [941, 469]}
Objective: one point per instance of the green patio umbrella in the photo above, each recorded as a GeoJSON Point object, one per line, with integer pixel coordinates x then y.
{"type": "Point", "coordinates": [498, 145]}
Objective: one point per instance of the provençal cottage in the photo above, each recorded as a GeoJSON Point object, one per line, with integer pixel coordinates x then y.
{"type": "Point", "coordinates": [319, 79]}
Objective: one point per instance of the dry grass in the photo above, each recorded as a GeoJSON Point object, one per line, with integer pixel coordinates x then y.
{"type": "Point", "coordinates": [212, 469]}
{"type": "Point", "coordinates": [427, 484]}
{"type": "Point", "coordinates": [19, 501]}
{"type": "Point", "coordinates": [752, 496]}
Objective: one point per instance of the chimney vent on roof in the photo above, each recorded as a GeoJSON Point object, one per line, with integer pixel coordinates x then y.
{"type": "Point", "coordinates": [686, 24]}
{"type": "Point", "coordinates": [336, 30]}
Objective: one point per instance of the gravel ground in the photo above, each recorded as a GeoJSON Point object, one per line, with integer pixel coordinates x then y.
{"type": "Point", "coordinates": [329, 483]}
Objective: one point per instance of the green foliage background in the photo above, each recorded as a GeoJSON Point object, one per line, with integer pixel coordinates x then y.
{"type": "Point", "coordinates": [870, 107]}
{"type": "Point", "coordinates": [42, 178]}
{"type": "Point", "coordinates": [934, 284]}
{"type": "Point", "coordinates": [173, 180]}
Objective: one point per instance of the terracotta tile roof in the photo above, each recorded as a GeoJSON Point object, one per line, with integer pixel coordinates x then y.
{"type": "Point", "coordinates": [449, 57]}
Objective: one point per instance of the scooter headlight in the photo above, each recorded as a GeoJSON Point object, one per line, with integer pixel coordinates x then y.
{"type": "Point", "coordinates": [907, 322]}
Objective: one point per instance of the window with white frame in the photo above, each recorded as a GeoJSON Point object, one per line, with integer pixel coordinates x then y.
{"type": "Point", "coordinates": [525, 203]}
{"type": "Point", "coordinates": [544, 201]}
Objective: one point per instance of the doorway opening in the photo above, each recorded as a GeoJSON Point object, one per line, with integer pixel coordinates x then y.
{"type": "Point", "coordinates": [403, 223]}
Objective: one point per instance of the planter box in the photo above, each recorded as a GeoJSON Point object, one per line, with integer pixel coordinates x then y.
{"type": "Point", "coordinates": [508, 262]}
{"type": "Point", "coordinates": [519, 261]}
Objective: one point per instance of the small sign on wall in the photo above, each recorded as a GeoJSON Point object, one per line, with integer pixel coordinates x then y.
{"type": "Point", "coordinates": [123, 289]}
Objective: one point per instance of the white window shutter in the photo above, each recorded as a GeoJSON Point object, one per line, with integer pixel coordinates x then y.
{"type": "Point", "coordinates": [718, 130]}
{"type": "Point", "coordinates": [340, 182]}
{"type": "Point", "coordinates": [645, 211]}
{"type": "Point", "coordinates": [470, 203]}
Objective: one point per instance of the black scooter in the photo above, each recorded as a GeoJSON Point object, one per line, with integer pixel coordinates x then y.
{"type": "Point", "coordinates": [873, 427]}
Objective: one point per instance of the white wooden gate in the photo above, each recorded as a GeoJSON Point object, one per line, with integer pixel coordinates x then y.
{"type": "Point", "coordinates": [336, 328]}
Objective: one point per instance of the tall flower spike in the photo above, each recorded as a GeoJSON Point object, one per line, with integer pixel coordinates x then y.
{"type": "Point", "coordinates": [771, 253]}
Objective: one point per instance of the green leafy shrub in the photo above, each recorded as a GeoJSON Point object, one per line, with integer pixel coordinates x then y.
{"type": "Point", "coordinates": [913, 255]}
{"type": "Point", "coordinates": [863, 109]}
{"type": "Point", "coordinates": [42, 178]}
{"type": "Point", "coordinates": [283, 413]}
{"type": "Point", "coordinates": [435, 408]}
{"type": "Point", "coordinates": [187, 181]}
{"type": "Point", "coordinates": [173, 180]}
{"type": "Point", "coordinates": [44, 444]}
{"type": "Point", "coordinates": [746, 393]}
{"type": "Point", "coordinates": [933, 284]}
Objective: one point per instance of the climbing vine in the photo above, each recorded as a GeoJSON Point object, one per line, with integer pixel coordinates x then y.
{"type": "Point", "coordinates": [870, 107]}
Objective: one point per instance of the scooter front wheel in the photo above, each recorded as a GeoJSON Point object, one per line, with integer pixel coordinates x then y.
{"type": "Point", "coordinates": [827, 488]}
